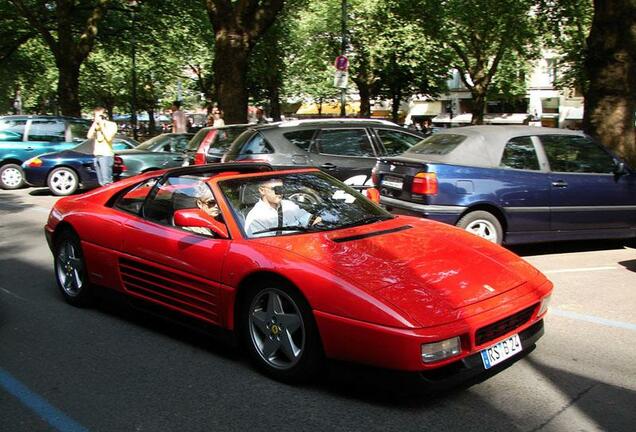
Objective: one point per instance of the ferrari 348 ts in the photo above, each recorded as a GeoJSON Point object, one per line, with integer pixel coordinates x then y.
{"type": "Point", "coordinates": [330, 275]}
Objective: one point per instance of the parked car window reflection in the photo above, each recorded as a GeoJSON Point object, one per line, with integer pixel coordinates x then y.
{"type": "Point", "coordinates": [396, 142]}
{"type": "Point", "coordinates": [46, 130]}
{"type": "Point", "coordinates": [519, 153]}
{"type": "Point", "coordinates": [576, 154]}
{"type": "Point", "coordinates": [345, 142]}
{"type": "Point", "coordinates": [437, 144]}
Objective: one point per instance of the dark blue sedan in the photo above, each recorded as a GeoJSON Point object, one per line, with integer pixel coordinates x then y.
{"type": "Point", "coordinates": [513, 184]}
{"type": "Point", "coordinates": [67, 171]}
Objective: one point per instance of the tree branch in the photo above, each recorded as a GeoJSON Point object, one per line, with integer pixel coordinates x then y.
{"type": "Point", "coordinates": [37, 23]}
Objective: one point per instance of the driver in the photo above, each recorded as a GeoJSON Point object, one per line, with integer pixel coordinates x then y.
{"type": "Point", "coordinates": [272, 211]}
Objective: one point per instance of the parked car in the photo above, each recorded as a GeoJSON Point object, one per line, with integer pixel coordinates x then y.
{"type": "Point", "coordinates": [163, 151]}
{"type": "Point", "coordinates": [67, 171]}
{"type": "Point", "coordinates": [345, 148]}
{"type": "Point", "coordinates": [25, 136]}
{"type": "Point", "coordinates": [516, 184]}
{"type": "Point", "coordinates": [210, 143]}
{"type": "Point", "coordinates": [347, 286]}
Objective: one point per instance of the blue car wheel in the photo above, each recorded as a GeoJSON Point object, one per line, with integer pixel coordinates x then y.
{"type": "Point", "coordinates": [63, 181]}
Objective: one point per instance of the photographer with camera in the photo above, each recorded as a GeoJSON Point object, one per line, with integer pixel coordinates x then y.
{"type": "Point", "coordinates": [103, 132]}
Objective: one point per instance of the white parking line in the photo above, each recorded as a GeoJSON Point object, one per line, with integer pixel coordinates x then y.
{"type": "Point", "coordinates": [581, 269]}
{"type": "Point", "coordinates": [6, 291]}
{"type": "Point", "coordinates": [593, 319]}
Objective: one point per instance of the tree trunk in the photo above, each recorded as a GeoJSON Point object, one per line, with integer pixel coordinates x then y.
{"type": "Point", "coordinates": [610, 102]}
{"type": "Point", "coordinates": [274, 103]}
{"type": "Point", "coordinates": [231, 53]}
{"type": "Point", "coordinates": [396, 98]}
{"type": "Point", "coordinates": [365, 99]}
{"type": "Point", "coordinates": [479, 105]}
{"type": "Point", "coordinates": [152, 125]}
{"type": "Point", "coordinates": [68, 88]}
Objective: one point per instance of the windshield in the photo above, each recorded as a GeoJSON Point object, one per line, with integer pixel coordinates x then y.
{"type": "Point", "coordinates": [274, 205]}
{"type": "Point", "coordinates": [439, 144]}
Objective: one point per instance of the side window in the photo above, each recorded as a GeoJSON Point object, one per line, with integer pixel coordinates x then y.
{"type": "Point", "coordinates": [519, 153]}
{"type": "Point", "coordinates": [345, 142]}
{"type": "Point", "coordinates": [181, 144]}
{"type": "Point", "coordinates": [576, 154]}
{"type": "Point", "coordinates": [132, 200]}
{"type": "Point", "coordinates": [256, 145]}
{"type": "Point", "coordinates": [78, 130]}
{"type": "Point", "coordinates": [47, 130]}
{"type": "Point", "coordinates": [396, 142]}
{"type": "Point", "coordinates": [176, 193]}
{"type": "Point", "coordinates": [12, 130]}
{"type": "Point", "coordinates": [301, 139]}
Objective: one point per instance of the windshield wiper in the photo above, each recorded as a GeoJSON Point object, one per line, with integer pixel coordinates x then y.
{"type": "Point", "coordinates": [365, 221]}
{"type": "Point", "coordinates": [286, 228]}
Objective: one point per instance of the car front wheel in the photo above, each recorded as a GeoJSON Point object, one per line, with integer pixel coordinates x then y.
{"type": "Point", "coordinates": [280, 333]}
{"type": "Point", "coordinates": [11, 176]}
{"type": "Point", "coordinates": [482, 224]}
{"type": "Point", "coordinates": [70, 270]}
{"type": "Point", "coordinates": [63, 181]}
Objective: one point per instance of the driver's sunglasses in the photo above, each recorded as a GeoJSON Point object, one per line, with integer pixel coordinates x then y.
{"type": "Point", "coordinates": [278, 190]}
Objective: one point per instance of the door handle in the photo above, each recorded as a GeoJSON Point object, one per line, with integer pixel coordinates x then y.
{"type": "Point", "coordinates": [29, 148]}
{"type": "Point", "coordinates": [559, 184]}
{"type": "Point", "coordinates": [178, 159]}
{"type": "Point", "coordinates": [328, 166]}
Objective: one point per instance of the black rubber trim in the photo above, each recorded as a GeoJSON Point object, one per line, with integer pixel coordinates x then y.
{"type": "Point", "coordinates": [372, 234]}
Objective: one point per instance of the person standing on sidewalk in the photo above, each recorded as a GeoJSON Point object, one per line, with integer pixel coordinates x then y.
{"type": "Point", "coordinates": [103, 132]}
{"type": "Point", "coordinates": [179, 124]}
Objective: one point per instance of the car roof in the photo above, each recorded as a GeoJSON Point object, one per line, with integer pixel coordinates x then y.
{"type": "Point", "coordinates": [38, 116]}
{"type": "Point", "coordinates": [484, 144]}
{"type": "Point", "coordinates": [325, 122]}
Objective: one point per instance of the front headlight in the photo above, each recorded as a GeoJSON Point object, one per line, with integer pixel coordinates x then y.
{"type": "Point", "coordinates": [437, 351]}
{"type": "Point", "coordinates": [544, 305]}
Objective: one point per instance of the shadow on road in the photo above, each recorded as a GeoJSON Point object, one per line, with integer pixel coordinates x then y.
{"type": "Point", "coordinates": [568, 247]}
{"type": "Point", "coordinates": [41, 192]}
{"type": "Point", "coordinates": [610, 407]}
{"type": "Point", "coordinates": [13, 203]}
{"type": "Point", "coordinates": [629, 265]}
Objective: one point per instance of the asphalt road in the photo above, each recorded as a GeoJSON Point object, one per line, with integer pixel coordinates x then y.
{"type": "Point", "coordinates": [113, 369]}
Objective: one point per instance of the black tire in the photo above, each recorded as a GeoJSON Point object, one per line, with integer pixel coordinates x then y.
{"type": "Point", "coordinates": [11, 176]}
{"type": "Point", "coordinates": [63, 181]}
{"type": "Point", "coordinates": [70, 270]}
{"type": "Point", "coordinates": [291, 335]}
{"type": "Point", "coordinates": [482, 224]}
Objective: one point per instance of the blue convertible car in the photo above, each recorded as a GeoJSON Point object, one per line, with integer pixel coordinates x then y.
{"type": "Point", "coordinates": [64, 172]}
{"type": "Point", "coordinates": [513, 184]}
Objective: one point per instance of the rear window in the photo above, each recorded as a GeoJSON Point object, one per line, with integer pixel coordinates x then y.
{"type": "Point", "coordinates": [301, 139]}
{"type": "Point", "coordinates": [256, 145]}
{"type": "Point", "coordinates": [78, 130]}
{"type": "Point", "coordinates": [195, 142]}
{"type": "Point", "coordinates": [439, 144]}
{"type": "Point", "coordinates": [224, 139]}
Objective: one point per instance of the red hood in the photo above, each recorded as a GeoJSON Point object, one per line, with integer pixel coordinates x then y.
{"type": "Point", "coordinates": [424, 268]}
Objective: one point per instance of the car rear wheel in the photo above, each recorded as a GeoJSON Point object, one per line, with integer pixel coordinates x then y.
{"type": "Point", "coordinates": [63, 181]}
{"type": "Point", "coordinates": [70, 270]}
{"type": "Point", "coordinates": [280, 333]}
{"type": "Point", "coordinates": [483, 224]}
{"type": "Point", "coordinates": [11, 176]}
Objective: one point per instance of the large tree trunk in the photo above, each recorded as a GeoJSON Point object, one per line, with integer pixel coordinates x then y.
{"type": "Point", "coordinates": [274, 102]}
{"type": "Point", "coordinates": [610, 102]}
{"type": "Point", "coordinates": [479, 105]}
{"type": "Point", "coordinates": [231, 53]}
{"type": "Point", "coordinates": [396, 98]}
{"type": "Point", "coordinates": [68, 88]}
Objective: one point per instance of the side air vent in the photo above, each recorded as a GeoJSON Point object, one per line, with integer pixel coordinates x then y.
{"type": "Point", "coordinates": [372, 234]}
{"type": "Point", "coordinates": [176, 291]}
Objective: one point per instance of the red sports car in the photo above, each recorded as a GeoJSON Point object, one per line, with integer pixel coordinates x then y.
{"type": "Point", "coordinates": [299, 267]}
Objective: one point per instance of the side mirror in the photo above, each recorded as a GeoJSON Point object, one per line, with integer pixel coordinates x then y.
{"type": "Point", "coordinates": [619, 167]}
{"type": "Point", "coordinates": [197, 218]}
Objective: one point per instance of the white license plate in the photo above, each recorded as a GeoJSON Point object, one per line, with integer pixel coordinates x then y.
{"type": "Point", "coordinates": [501, 351]}
{"type": "Point", "coordinates": [392, 182]}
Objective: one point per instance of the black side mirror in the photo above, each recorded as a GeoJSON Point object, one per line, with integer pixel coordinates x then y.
{"type": "Point", "coordinates": [619, 168]}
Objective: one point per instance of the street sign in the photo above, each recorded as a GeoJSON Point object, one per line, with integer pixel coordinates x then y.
{"type": "Point", "coordinates": [341, 63]}
{"type": "Point", "coordinates": [341, 79]}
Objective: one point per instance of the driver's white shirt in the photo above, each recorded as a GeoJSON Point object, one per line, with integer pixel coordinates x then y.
{"type": "Point", "coordinates": [263, 217]}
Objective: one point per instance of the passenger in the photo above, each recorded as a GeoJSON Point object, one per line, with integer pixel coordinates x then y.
{"type": "Point", "coordinates": [272, 211]}
{"type": "Point", "coordinates": [206, 202]}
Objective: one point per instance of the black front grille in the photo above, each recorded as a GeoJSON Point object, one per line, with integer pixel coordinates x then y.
{"type": "Point", "coordinates": [503, 326]}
